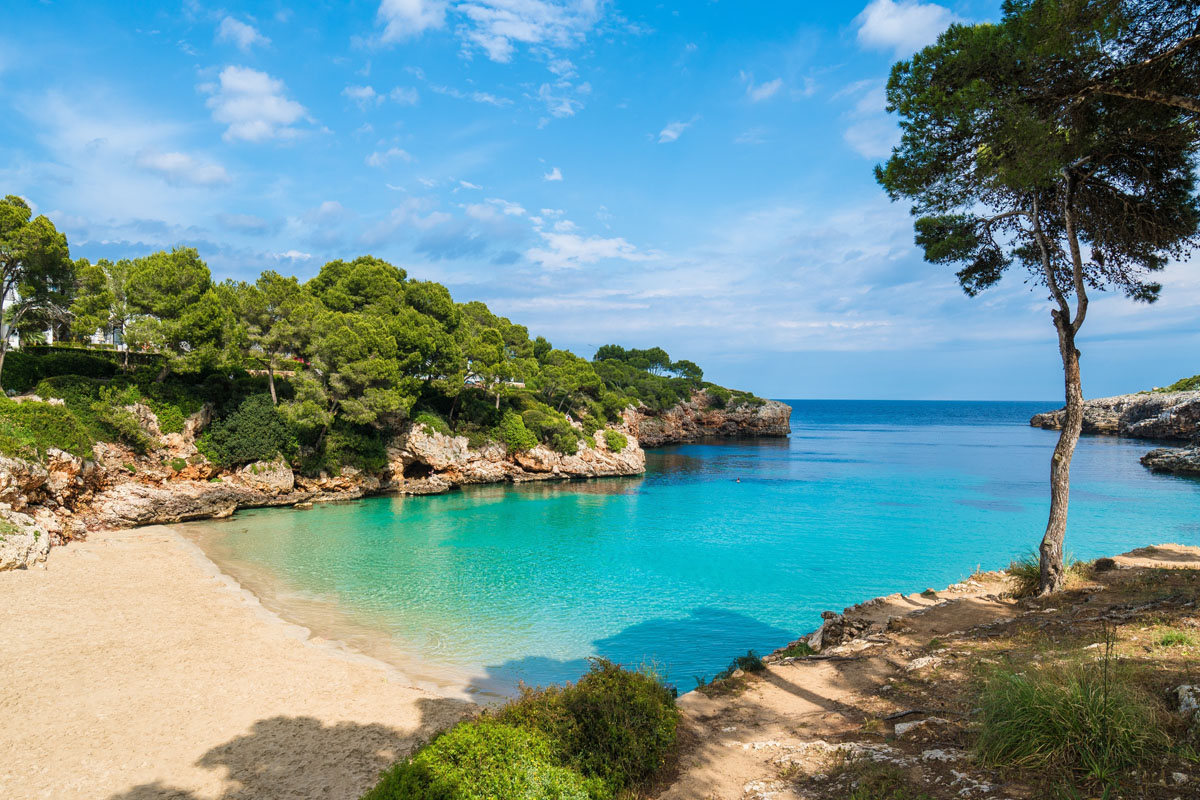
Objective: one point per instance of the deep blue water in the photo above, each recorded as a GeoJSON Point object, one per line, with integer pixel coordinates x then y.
{"type": "Point", "coordinates": [721, 547]}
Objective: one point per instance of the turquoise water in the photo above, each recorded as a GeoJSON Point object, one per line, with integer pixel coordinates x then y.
{"type": "Point", "coordinates": [687, 566]}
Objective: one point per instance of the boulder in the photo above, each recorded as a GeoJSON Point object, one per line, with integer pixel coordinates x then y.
{"type": "Point", "coordinates": [23, 542]}
{"type": "Point", "coordinates": [1177, 460]}
{"type": "Point", "coordinates": [271, 477]}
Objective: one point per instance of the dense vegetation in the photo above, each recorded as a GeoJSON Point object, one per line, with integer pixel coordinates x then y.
{"type": "Point", "coordinates": [597, 739]}
{"type": "Point", "coordinates": [320, 372]}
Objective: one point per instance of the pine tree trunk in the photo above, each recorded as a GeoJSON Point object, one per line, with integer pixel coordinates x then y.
{"type": "Point", "coordinates": [271, 382]}
{"type": "Point", "coordinates": [1053, 572]}
{"type": "Point", "coordinates": [3, 353]}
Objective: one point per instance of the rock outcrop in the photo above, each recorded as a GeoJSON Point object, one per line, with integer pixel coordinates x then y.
{"type": "Point", "coordinates": [1177, 460]}
{"type": "Point", "coordinates": [23, 542]}
{"type": "Point", "coordinates": [699, 417]}
{"type": "Point", "coordinates": [1163, 415]}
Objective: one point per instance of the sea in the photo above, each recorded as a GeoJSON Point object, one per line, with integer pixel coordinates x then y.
{"type": "Point", "coordinates": [723, 546]}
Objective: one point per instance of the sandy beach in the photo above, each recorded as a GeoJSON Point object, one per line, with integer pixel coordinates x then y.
{"type": "Point", "coordinates": [134, 670]}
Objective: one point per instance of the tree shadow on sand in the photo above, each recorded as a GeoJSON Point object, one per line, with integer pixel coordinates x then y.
{"type": "Point", "coordinates": [287, 758]}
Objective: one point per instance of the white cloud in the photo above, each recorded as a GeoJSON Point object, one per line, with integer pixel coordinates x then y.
{"type": "Point", "coordinates": [404, 95]}
{"type": "Point", "coordinates": [477, 97]}
{"type": "Point", "coordinates": [469, 185]}
{"type": "Point", "coordinates": [382, 158]}
{"type": "Point", "coordinates": [242, 35]}
{"type": "Point", "coordinates": [293, 255]}
{"type": "Point", "coordinates": [558, 102]}
{"type": "Point", "coordinates": [363, 96]}
{"type": "Point", "coordinates": [495, 26]}
{"type": "Point", "coordinates": [762, 91]}
{"type": "Point", "coordinates": [253, 105]}
{"type": "Point", "coordinates": [872, 138]}
{"type": "Point", "coordinates": [508, 207]}
{"type": "Point", "coordinates": [553, 175]}
{"type": "Point", "coordinates": [177, 167]}
{"type": "Point", "coordinates": [673, 131]}
{"type": "Point", "coordinates": [568, 250]}
{"type": "Point", "coordinates": [403, 19]}
{"type": "Point", "coordinates": [904, 26]}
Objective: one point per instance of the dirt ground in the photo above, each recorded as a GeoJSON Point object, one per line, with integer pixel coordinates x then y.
{"type": "Point", "coordinates": [786, 733]}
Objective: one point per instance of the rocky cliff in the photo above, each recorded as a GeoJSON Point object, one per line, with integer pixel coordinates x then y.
{"type": "Point", "coordinates": [699, 417]}
{"type": "Point", "coordinates": [1178, 460]}
{"type": "Point", "coordinates": [1164, 415]}
{"type": "Point", "coordinates": [64, 497]}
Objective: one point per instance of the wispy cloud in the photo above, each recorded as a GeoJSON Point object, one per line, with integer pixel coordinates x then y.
{"type": "Point", "coordinates": [762, 91]}
{"type": "Point", "coordinates": [403, 19]}
{"type": "Point", "coordinates": [381, 158]}
{"type": "Point", "coordinates": [553, 175]}
{"type": "Point", "coordinates": [674, 130]}
{"type": "Point", "coordinates": [240, 34]}
{"type": "Point", "coordinates": [177, 168]}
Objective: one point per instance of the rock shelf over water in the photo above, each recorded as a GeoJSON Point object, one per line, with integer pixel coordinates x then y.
{"type": "Point", "coordinates": [1147, 415]}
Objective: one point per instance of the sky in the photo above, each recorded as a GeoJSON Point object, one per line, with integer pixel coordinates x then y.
{"type": "Point", "coordinates": [691, 175]}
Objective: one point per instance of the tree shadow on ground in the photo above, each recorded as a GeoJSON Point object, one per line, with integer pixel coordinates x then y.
{"type": "Point", "coordinates": [671, 646]}
{"type": "Point", "coordinates": [289, 758]}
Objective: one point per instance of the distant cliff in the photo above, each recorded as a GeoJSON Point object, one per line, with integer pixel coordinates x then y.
{"type": "Point", "coordinates": [700, 417]}
{"type": "Point", "coordinates": [1159, 415]}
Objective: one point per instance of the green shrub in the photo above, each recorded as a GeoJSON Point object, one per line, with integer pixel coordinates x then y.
{"type": "Point", "coordinates": [513, 433]}
{"type": "Point", "coordinates": [552, 428]}
{"type": "Point", "coordinates": [615, 440]}
{"type": "Point", "coordinates": [1191, 384]}
{"type": "Point", "coordinates": [1025, 573]}
{"type": "Point", "coordinates": [1174, 638]}
{"type": "Point", "coordinates": [30, 429]}
{"type": "Point", "coordinates": [122, 425]}
{"type": "Point", "coordinates": [1088, 720]}
{"type": "Point", "coordinates": [21, 372]}
{"type": "Point", "coordinates": [483, 760]}
{"type": "Point", "coordinates": [797, 650]}
{"type": "Point", "coordinates": [432, 421]}
{"type": "Point", "coordinates": [255, 431]}
{"type": "Point", "coordinates": [75, 362]}
{"type": "Point", "coordinates": [178, 464]}
{"type": "Point", "coordinates": [347, 446]}
{"type": "Point", "coordinates": [615, 725]}
{"type": "Point", "coordinates": [718, 396]}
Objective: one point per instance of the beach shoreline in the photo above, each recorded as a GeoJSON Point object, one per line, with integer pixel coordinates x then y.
{"type": "Point", "coordinates": [136, 669]}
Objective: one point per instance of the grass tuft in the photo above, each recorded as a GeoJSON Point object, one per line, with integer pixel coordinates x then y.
{"type": "Point", "coordinates": [872, 780]}
{"type": "Point", "coordinates": [1176, 638]}
{"type": "Point", "coordinates": [1025, 573]}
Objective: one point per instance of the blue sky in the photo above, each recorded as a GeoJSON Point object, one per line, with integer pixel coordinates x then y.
{"type": "Point", "coordinates": [693, 175]}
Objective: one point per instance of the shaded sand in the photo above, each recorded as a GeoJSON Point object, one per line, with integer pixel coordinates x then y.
{"type": "Point", "coordinates": [132, 669]}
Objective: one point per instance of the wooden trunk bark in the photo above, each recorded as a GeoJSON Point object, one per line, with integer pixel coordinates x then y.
{"type": "Point", "coordinates": [1053, 572]}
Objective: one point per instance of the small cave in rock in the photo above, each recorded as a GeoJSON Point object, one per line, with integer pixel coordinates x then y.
{"type": "Point", "coordinates": [417, 469]}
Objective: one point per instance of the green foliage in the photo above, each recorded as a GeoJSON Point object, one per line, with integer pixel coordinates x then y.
{"type": "Point", "coordinates": [797, 650]}
{"type": "Point", "coordinates": [615, 440]}
{"type": "Point", "coordinates": [178, 464]}
{"type": "Point", "coordinates": [122, 425]}
{"type": "Point", "coordinates": [28, 430]}
{"type": "Point", "coordinates": [614, 725]}
{"type": "Point", "coordinates": [552, 428]}
{"type": "Point", "coordinates": [1025, 573]}
{"type": "Point", "coordinates": [514, 435]}
{"type": "Point", "coordinates": [52, 363]}
{"type": "Point", "coordinates": [718, 396]}
{"type": "Point", "coordinates": [483, 760]}
{"type": "Point", "coordinates": [1191, 384]}
{"type": "Point", "coordinates": [255, 431]}
{"type": "Point", "coordinates": [1089, 720]}
{"type": "Point", "coordinates": [1176, 639]}
{"type": "Point", "coordinates": [21, 371]}
{"type": "Point", "coordinates": [432, 421]}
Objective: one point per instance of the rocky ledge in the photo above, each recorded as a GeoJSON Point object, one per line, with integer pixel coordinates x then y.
{"type": "Point", "coordinates": [1163, 415]}
{"type": "Point", "coordinates": [1177, 460]}
{"type": "Point", "coordinates": [698, 417]}
{"type": "Point", "coordinates": [64, 497]}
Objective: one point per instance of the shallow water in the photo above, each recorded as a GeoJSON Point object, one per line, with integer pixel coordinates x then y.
{"type": "Point", "coordinates": [687, 566]}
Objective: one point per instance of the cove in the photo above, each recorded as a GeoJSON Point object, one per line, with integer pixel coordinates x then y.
{"type": "Point", "coordinates": [721, 547]}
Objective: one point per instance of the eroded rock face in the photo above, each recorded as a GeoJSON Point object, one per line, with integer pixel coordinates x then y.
{"type": "Point", "coordinates": [697, 418]}
{"type": "Point", "coordinates": [1177, 460]}
{"type": "Point", "coordinates": [1168, 415]}
{"type": "Point", "coordinates": [271, 477]}
{"type": "Point", "coordinates": [23, 542]}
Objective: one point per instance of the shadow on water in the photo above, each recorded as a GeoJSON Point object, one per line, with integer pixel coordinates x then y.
{"type": "Point", "coordinates": [644, 643]}
{"type": "Point", "coordinates": [283, 758]}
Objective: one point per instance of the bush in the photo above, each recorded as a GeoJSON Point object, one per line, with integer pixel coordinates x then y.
{"type": "Point", "coordinates": [120, 423]}
{"type": "Point", "coordinates": [432, 421]}
{"type": "Point", "coordinates": [21, 372]}
{"type": "Point", "coordinates": [1089, 720]}
{"type": "Point", "coordinates": [483, 760]}
{"type": "Point", "coordinates": [1026, 573]}
{"type": "Point", "coordinates": [614, 725]}
{"type": "Point", "coordinates": [718, 396]}
{"type": "Point", "coordinates": [256, 431]}
{"type": "Point", "coordinates": [615, 440]}
{"type": "Point", "coordinates": [513, 433]}
{"type": "Point", "coordinates": [75, 362]}
{"type": "Point", "coordinates": [28, 430]}
{"type": "Point", "coordinates": [551, 427]}
{"type": "Point", "coordinates": [1191, 384]}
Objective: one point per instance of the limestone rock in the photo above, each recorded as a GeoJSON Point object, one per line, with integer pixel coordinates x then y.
{"type": "Point", "coordinates": [1165, 415]}
{"type": "Point", "coordinates": [23, 542]}
{"type": "Point", "coordinates": [271, 477]}
{"type": "Point", "coordinates": [1178, 460]}
{"type": "Point", "coordinates": [696, 418]}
